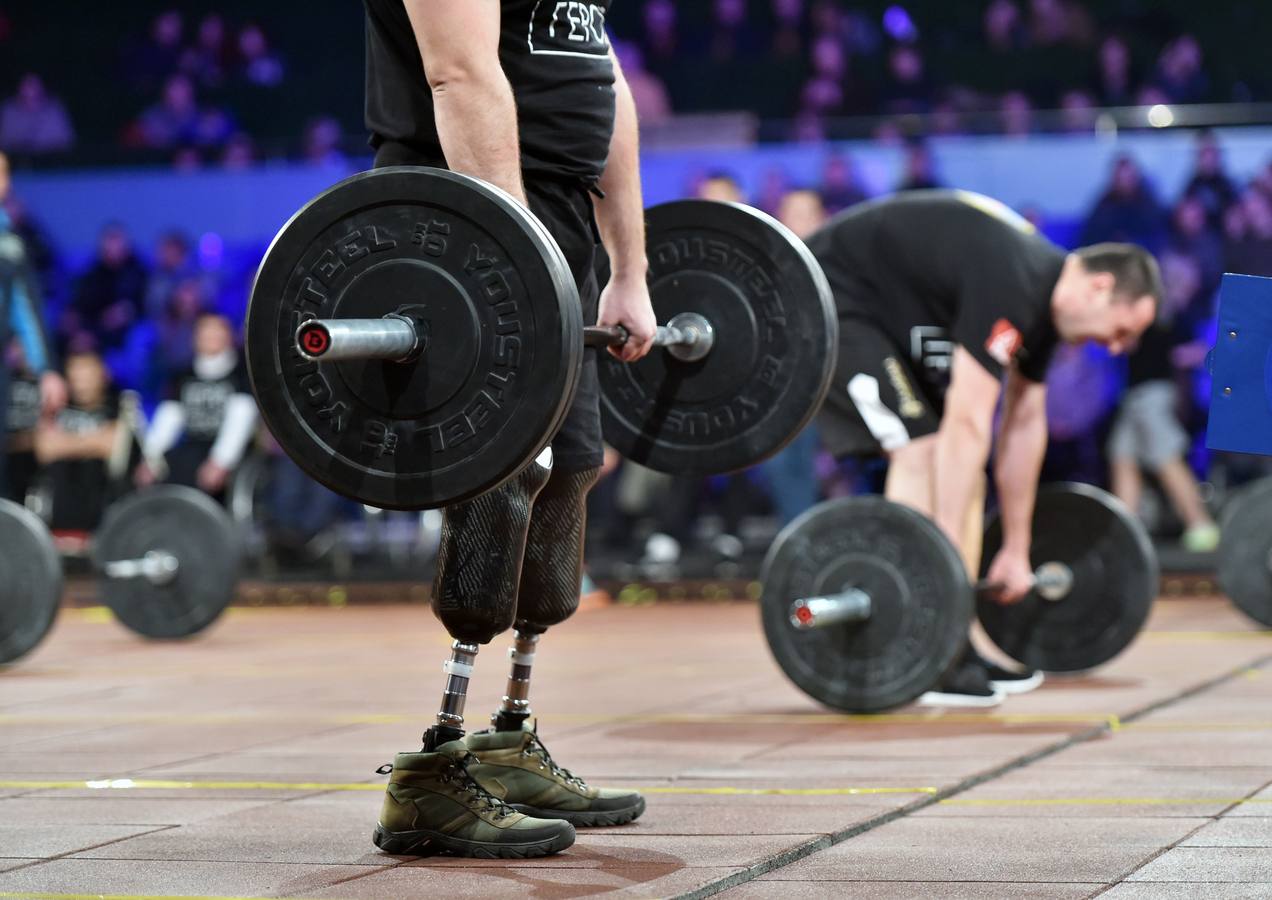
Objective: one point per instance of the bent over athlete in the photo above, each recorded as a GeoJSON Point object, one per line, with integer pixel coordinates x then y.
{"type": "Point", "coordinates": [940, 293]}
{"type": "Point", "coordinates": [527, 96]}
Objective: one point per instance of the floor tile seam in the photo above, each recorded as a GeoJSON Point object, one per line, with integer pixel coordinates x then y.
{"type": "Point", "coordinates": [792, 855]}
{"type": "Point", "coordinates": [71, 853]}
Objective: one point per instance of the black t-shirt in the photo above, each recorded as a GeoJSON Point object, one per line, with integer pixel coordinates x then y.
{"type": "Point", "coordinates": [1150, 359]}
{"type": "Point", "coordinates": [77, 419]}
{"type": "Point", "coordinates": [556, 57]}
{"type": "Point", "coordinates": [23, 413]}
{"type": "Point", "coordinates": [203, 400]}
{"type": "Point", "coordinates": [936, 268]}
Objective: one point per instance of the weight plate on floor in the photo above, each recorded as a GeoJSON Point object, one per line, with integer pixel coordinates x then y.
{"type": "Point", "coordinates": [920, 603]}
{"type": "Point", "coordinates": [776, 335]}
{"type": "Point", "coordinates": [175, 523]}
{"type": "Point", "coordinates": [504, 341]}
{"type": "Point", "coordinates": [1115, 578]}
{"type": "Point", "coordinates": [1245, 550]}
{"type": "Point", "coordinates": [30, 581]}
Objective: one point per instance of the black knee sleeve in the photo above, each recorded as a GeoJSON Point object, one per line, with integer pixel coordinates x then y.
{"type": "Point", "coordinates": [479, 558]}
{"type": "Point", "coordinates": [549, 592]}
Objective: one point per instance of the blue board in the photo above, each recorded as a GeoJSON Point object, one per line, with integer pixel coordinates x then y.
{"type": "Point", "coordinates": [1241, 368]}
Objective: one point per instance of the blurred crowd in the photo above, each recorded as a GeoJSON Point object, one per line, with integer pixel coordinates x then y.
{"type": "Point", "coordinates": [193, 90]}
{"type": "Point", "coordinates": [810, 62]}
{"type": "Point", "coordinates": [219, 86]}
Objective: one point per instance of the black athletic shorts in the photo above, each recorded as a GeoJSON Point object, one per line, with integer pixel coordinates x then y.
{"type": "Point", "coordinates": [876, 403]}
{"type": "Point", "coordinates": [564, 206]}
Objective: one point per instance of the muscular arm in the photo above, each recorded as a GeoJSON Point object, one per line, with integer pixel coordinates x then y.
{"type": "Point", "coordinates": [473, 102]}
{"type": "Point", "coordinates": [962, 444]}
{"type": "Point", "coordinates": [620, 216]}
{"type": "Point", "coordinates": [1022, 441]}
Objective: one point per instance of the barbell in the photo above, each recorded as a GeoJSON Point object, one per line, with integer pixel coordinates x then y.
{"type": "Point", "coordinates": [167, 561]}
{"type": "Point", "coordinates": [414, 338]}
{"type": "Point", "coordinates": [866, 603]}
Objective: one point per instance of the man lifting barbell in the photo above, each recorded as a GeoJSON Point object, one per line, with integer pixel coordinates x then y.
{"type": "Point", "coordinates": [529, 98]}
{"type": "Point", "coordinates": [939, 294]}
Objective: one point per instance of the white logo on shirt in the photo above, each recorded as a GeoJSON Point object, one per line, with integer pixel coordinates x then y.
{"type": "Point", "coordinates": [568, 28]}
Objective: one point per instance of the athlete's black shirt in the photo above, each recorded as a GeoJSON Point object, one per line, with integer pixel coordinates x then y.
{"type": "Point", "coordinates": [556, 57]}
{"type": "Point", "coordinates": [936, 268]}
{"type": "Point", "coordinates": [203, 400]}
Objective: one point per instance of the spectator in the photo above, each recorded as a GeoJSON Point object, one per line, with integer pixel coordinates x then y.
{"type": "Point", "coordinates": [1077, 111]}
{"type": "Point", "coordinates": [1017, 114]}
{"type": "Point", "coordinates": [157, 58]}
{"type": "Point", "coordinates": [1003, 28]}
{"type": "Point", "coordinates": [322, 141]}
{"type": "Point", "coordinates": [791, 473]}
{"type": "Point", "coordinates": [1146, 433]}
{"type": "Point", "coordinates": [720, 186]}
{"type": "Point", "coordinates": [174, 120]}
{"type": "Point", "coordinates": [174, 265]}
{"type": "Point", "coordinates": [209, 59]}
{"type": "Point", "coordinates": [1179, 73]}
{"type": "Point", "coordinates": [788, 32]}
{"type": "Point", "coordinates": [772, 192]}
{"type": "Point", "coordinates": [733, 39]}
{"type": "Point", "coordinates": [239, 153]}
{"type": "Point", "coordinates": [653, 106]}
{"type": "Point", "coordinates": [259, 65]}
{"type": "Point", "coordinates": [907, 90]}
{"type": "Point", "coordinates": [33, 121]}
{"type": "Point", "coordinates": [840, 187]}
{"type": "Point", "coordinates": [1210, 184]}
{"type": "Point", "coordinates": [205, 425]}
{"type": "Point", "coordinates": [22, 417]}
{"type": "Point", "coordinates": [1190, 236]}
{"type": "Point", "coordinates": [1248, 235]}
{"type": "Point", "coordinates": [919, 169]}
{"type": "Point", "coordinates": [662, 38]}
{"type": "Point", "coordinates": [1127, 211]}
{"type": "Point", "coordinates": [175, 327]}
{"type": "Point", "coordinates": [107, 298]}
{"type": "Point", "coordinates": [76, 444]}
{"type": "Point", "coordinates": [1114, 85]}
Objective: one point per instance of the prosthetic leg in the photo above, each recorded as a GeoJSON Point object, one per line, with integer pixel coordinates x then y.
{"type": "Point", "coordinates": [550, 578]}
{"type": "Point", "coordinates": [475, 589]}
{"type": "Point", "coordinates": [510, 756]}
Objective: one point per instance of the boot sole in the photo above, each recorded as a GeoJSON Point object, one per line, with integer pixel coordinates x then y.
{"type": "Point", "coordinates": [586, 818]}
{"type": "Point", "coordinates": [428, 843]}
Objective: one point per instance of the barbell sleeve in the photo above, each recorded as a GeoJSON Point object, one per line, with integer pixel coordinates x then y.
{"type": "Point", "coordinates": [807, 613]}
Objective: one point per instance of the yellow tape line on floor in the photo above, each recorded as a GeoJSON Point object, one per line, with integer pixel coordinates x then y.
{"type": "Point", "coordinates": [1104, 801]}
{"type": "Point", "coordinates": [128, 784]}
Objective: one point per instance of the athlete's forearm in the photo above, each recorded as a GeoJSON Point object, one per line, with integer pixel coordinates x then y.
{"type": "Point", "coordinates": [962, 448]}
{"type": "Point", "coordinates": [620, 215]}
{"type": "Point", "coordinates": [1022, 443]}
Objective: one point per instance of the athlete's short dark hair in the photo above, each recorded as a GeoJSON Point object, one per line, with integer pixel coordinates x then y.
{"type": "Point", "coordinates": [1135, 272]}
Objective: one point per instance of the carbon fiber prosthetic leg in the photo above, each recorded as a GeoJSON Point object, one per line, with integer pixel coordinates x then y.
{"type": "Point", "coordinates": [550, 576]}
{"type": "Point", "coordinates": [475, 588]}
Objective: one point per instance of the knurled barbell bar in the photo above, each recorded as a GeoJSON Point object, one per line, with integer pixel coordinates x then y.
{"type": "Point", "coordinates": [447, 339]}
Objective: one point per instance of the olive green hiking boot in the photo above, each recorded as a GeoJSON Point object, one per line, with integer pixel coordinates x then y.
{"type": "Point", "coordinates": [516, 768]}
{"type": "Point", "coordinates": [434, 805]}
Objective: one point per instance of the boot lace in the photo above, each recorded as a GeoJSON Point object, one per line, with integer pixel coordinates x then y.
{"type": "Point", "coordinates": [457, 774]}
{"type": "Point", "coordinates": [536, 750]}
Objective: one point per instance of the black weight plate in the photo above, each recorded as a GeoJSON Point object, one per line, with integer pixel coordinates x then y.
{"type": "Point", "coordinates": [502, 360]}
{"type": "Point", "coordinates": [30, 581]}
{"type": "Point", "coordinates": [776, 335]}
{"type": "Point", "coordinates": [921, 603]}
{"type": "Point", "coordinates": [1115, 578]}
{"type": "Point", "coordinates": [1245, 551]}
{"type": "Point", "coordinates": [190, 526]}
